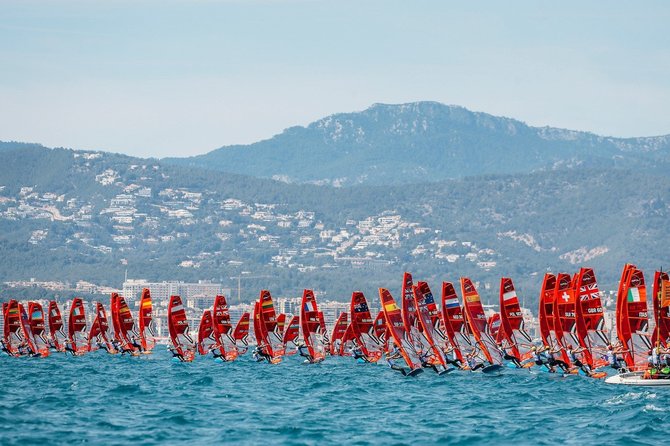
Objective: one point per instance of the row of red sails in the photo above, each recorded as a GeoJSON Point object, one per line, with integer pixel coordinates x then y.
{"type": "Point", "coordinates": [36, 333]}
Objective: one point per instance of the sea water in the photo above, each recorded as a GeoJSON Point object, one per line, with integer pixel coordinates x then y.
{"type": "Point", "coordinates": [105, 399]}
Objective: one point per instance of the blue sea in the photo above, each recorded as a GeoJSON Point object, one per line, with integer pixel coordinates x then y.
{"type": "Point", "coordinates": [104, 399]}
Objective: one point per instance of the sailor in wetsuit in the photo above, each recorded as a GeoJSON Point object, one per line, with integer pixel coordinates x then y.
{"type": "Point", "coordinates": [509, 357]}
{"type": "Point", "coordinates": [473, 361]}
{"type": "Point", "coordinates": [551, 358]}
{"type": "Point", "coordinates": [136, 343]}
{"type": "Point", "coordinates": [216, 352]}
{"type": "Point", "coordinates": [260, 354]}
{"type": "Point", "coordinates": [175, 353]}
{"type": "Point", "coordinates": [452, 358]}
{"type": "Point", "coordinates": [68, 347]}
{"type": "Point", "coordinates": [357, 353]}
{"type": "Point", "coordinates": [304, 352]}
{"type": "Point", "coordinates": [613, 358]}
{"type": "Point", "coordinates": [392, 357]}
{"type": "Point", "coordinates": [572, 354]}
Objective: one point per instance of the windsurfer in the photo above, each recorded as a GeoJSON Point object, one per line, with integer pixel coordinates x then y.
{"type": "Point", "coordinates": [135, 343]}
{"type": "Point", "coordinates": [508, 357]}
{"type": "Point", "coordinates": [451, 357]}
{"type": "Point", "coordinates": [357, 353]}
{"type": "Point", "coordinates": [392, 358]}
{"type": "Point", "coordinates": [615, 361]}
{"type": "Point", "coordinates": [68, 347]}
{"type": "Point", "coordinates": [304, 352]}
{"type": "Point", "coordinates": [173, 350]}
{"type": "Point", "coordinates": [260, 354]}
{"type": "Point", "coordinates": [551, 358]}
{"type": "Point", "coordinates": [572, 354]}
{"type": "Point", "coordinates": [473, 360]}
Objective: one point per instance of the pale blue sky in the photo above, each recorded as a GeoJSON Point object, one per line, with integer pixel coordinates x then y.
{"type": "Point", "coordinates": [178, 77]}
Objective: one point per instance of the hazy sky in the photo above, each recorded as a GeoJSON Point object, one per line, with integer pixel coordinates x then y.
{"type": "Point", "coordinates": [177, 78]}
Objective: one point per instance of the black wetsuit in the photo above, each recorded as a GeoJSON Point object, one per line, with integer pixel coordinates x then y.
{"type": "Point", "coordinates": [303, 354]}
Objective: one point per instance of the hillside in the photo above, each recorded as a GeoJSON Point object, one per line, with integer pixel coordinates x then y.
{"type": "Point", "coordinates": [74, 215]}
{"type": "Point", "coordinates": [426, 141]}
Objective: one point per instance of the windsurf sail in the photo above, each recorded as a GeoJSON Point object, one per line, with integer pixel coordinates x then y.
{"type": "Point", "coordinates": [396, 328]}
{"type": "Point", "coordinates": [38, 329]}
{"type": "Point", "coordinates": [632, 317]}
{"type": "Point", "coordinates": [56, 330]}
{"type": "Point", "coordinates": [130, 339]}
{"type": "Point", "coordinates": [14, 335]}
{"type": "Point", "coordinates": [311, 326]}
{"type": "Point", "coordinates": [593, 335]}
{"type": "Point", "coordinates": [146, 322]}
{"type": "Point", "coordinates": [206, 339]}
{"type": "Point", "coordinates": [179, 330]}
{"type": "Point", "coordinates": [77, 327]}
{"type": "Point", "coordinates": [291, 333]}
{"type": "Point", "coordinates": [410, 319]}
{"type": "Point", "coordinates": [363, 330]}
{"type": "Point", "coordinates": [382, 332]}
{"type": "Point", "coordinates": [426, 310]}
{"type": "Point", "coordinates": [513, 336]}
{"type": "Point", "coordinates": [114, 312]}
{"type": "Point", "coordinates": [223, 329]}
{"type": "Point", "coordinates": [454, 322]}
{"type": "Point", "coordinates": [493, 327]}
{"type": "Point", "coordinates": [241, 333]}
{"type": "Point", "coordinates": [99, 333]}
{"type": "Point", "coordinates": [546, 311]}
{"type": "Point", "coordinates": [347, 343]}
{"type": "Point", "coordinates": [476, 318]}
{"type": "Point", "coordinates": [338, 333]}
{"type": "Point", "coordinates": [565, 323]}
{"type": "Point", "coordinates": [281, 323]}
{"type": "Point", "coordinates": [661, 300]}
{"type": "Point", "coordinates": [271, 336]}
{"type": "Point", "coordinates": [28, 334]}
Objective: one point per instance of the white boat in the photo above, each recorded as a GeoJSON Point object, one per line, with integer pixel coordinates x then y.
{"type": "Point", "coordinates": [637, 379]}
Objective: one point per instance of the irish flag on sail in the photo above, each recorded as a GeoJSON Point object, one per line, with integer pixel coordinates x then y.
{"type": "Point", "coordinates": [634, 295]}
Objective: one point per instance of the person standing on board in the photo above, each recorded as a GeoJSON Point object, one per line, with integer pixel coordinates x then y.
{"type": "Point", "coordinates": [304, 352]}
{"type": "Point", "coordinates": [613, 358]}
{"type": "Point", "coordinates": [392, 357]}
{"type": "Point", "coordinates": [472, 360]}
{"type": "Point", "coordinates": [551, 358]}
{"type": "Point", "coordinates": [451, 357]}
{"type": "Point", "coordinates": [572, 354]}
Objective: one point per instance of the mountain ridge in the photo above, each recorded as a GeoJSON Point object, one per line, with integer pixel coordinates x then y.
{"type": "Point", "coordinates": [415, 142]}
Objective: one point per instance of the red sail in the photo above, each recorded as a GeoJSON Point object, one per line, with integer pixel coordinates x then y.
{"type": "Point", "coordinates": [661, 298]}
{"type": "Point", "coordinates": [77, 327]}
{"type": "Point", "coordinates": [258, 331]}
{"type": "Point", "coordinates": [565, 323]}
{"type": "Point", "coordinates": [362, 328]}
{"type": "Point", "coordinates": [179, 330]}
{"type": "Point", "coordinates": [493, 327]}
{"type": "Point", "coordinates": [127, 333]}
{"type": "Point", "coordinates": [206, 339]}
{"type": "Point", "coordinates": [338, 333]}
{"type": "Point", "coordinates": [291, 333]}
{"type": "Point", "coordinates": [146, 323]}
{"type": "Point", "coordinates": [99, 333]}
{"type": "Point", "coordinates": [241, 333]}
{"type": "Point", "coordinates": [454, 323]}
{"type": "Point", "coordinates": [14, 335]}
{"type": "Point", "coordinates": [591, 330]}
{"type": "Point", "coordinates": [25, 326]}
{"type": "Point", "coordinates": [512, 334]}
{"type": "Point", "coordinates": [632, 317]}
{"type": "Point", "coordinates": [474, 312]}
{"type": "Point", "coordinates": [114, 310]}
{"type": "Point", "coordinates": [270, 331]}
{"type": "Point", "coordinates": [281, 323]}
{"type": "Point", "coordinates": [428, 316]}
{"type": "Point", "coordinates": [223, 329]}
{"type": "Point", "coordinates": [311, 326]}
{"type": "Point", "coordinates": [56, 330]}
{"type": "Point", "coordinates": [347, 342]}
{"type": "Point", "coordinates": [410, 319]}
{"type": "Point", "coordinates": [37, 328]}
{"type": "Point", "coordinates": [382, 331]}
{"type": "Point", "coordinates": [546, 311]}
{"type": "Point", "coordinates": [396, 328]}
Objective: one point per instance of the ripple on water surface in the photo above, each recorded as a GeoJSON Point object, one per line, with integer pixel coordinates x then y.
{"type": "Point", "coordinates": [102, 399]}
